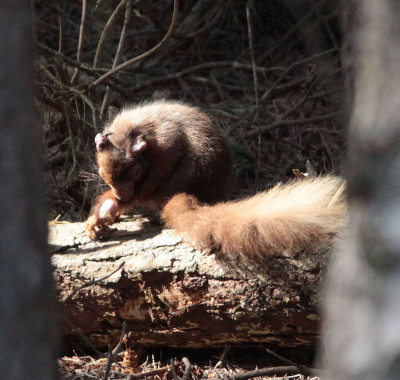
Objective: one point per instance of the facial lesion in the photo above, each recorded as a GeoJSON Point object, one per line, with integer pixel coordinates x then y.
{"type": "Point", "coordinates": [117, 171]}
{"type": "Point", "coordinates": [127, 174]}
{"type": "Point", "coordinates": [112, 165]}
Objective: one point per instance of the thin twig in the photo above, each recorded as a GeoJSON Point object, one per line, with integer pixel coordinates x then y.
{"type": "Point", "coordinates": [197, 16]}
{"type": "Point", "coordinates": [153, 372]}
{"type": "Point", "coordinates": [188, 368]}
{"type": "Point", "coordinates": [143, 56]}
{"type": "Point", "coordinates": [80, 41]}
{"type": "Point", "coordinates": [268, 93]}
{"type": "Point", "coordinates": [60, 35]}
{"type": "Point", "coordinates": [75, 92]}
{"type": "Point", "coordinates": [252, 56]}
{"type": "Point", "coordinates": [292, 110]}
{"type": "Point", "coordinates": [207, 26]}
{"type": "Point", "coordinates": [281, 358]}
{"type": "Point", "coordinates": [90, 283]}
{"type": "Point", "coordinates": [118, 54]}
{"type": "Point", "coordinates": [289, 123]}
{"type": "Point", "coordinates": [61, 71]}
{"type": "Point", "coordinates": [324, 21]}
{"type": "Point", "coordinates": [255, 81]}
{"type": "Point", "coordinates": [71, 142]}
{"type": "Point", "coordinates": [173, 370]}
{"type": "Point", "coordinates": [110, 360]}
{"type": "Point", "coordinates": [186, 373]}
{"type": "Point", "coordinates": [68, 88]}
{"type": "Point", "coordinates": [83, 336]}
{"type": "Point", "coordinates": [117, 349]}
{"type": "Point", "coordinates": [96, 72]}
{"type": "Point", "coordinates": [106, 29]}
{"type": "Point", "coordinates": [96, 7]}
{"type": "Point", "coordinates": [295, 29]}
{"type": "Point", "coordinates": [59, 108]}
{"type": "Point", "coordinates": [195, 19]}
{"type": "Point", "coordinates": [203, 66]}
{"type": "Point", "coordinates": [221, 358]}
{"type": "Point", "coordinates": [82, 66]}
{"type": "Point", "coordinates": [271, 371]}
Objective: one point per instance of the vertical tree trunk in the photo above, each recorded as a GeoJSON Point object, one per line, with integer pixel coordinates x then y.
{"type": "Point", "coordinates": [363, 323]}
{"type": "Point", "coordinates": [27, 315]}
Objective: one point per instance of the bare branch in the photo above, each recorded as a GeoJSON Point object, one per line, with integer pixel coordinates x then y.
{"type": "Point", "coordinates": [118, 53]}
{"type": "Point", "coordinates": [289, 123]}
{"type": "Point", "coordinates": [273, 371]}
{"type": "Point", "coordinates": [145, 55]}
{"type": "Point", "coordinates": [255, 81]}
{"type": "Point", "coordinates": [80, 42]}
{"type": "Point", "coordinates": [106, 29]}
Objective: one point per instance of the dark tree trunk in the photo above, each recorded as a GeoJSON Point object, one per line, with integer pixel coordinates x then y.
{"type": "Point", "coordinates": [363, 330]}
{"type": "Point", "coordinates": [27, 313]}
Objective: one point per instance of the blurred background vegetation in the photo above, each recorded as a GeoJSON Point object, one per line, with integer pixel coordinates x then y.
{"type": "Point", "coordinates": [268, 72]}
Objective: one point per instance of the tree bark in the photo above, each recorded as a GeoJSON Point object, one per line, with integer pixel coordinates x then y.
{"type": "Point", "coordinates": [362, 330]}
{"type": "Point", "coordinates": [171, 294]}
{"type": "Point", "coordinates": [27, 305]}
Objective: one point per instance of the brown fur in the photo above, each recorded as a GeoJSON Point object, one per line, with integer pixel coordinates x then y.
{"type": "Point", "coordinates": [184, 152]}
{"type": "Point", "coordinates": [186, 161]}
{"type": "Point", "coordinates": [301, 215]}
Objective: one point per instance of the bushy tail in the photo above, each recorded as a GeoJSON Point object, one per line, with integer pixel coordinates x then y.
{"type": "Point", "coordinates": [300, 215]}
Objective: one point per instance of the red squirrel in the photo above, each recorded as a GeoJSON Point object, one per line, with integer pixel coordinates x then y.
{"type": "Point", "coordinates": [171, 157]}
{"type": "Point", "coordinates": [151, 152]}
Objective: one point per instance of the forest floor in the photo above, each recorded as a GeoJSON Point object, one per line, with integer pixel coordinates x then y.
{"type": "Point", "coordinates": [224, 363]}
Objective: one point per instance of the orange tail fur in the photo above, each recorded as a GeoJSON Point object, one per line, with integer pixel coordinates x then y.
{"type": "Point", "coordinates": [300, 215]}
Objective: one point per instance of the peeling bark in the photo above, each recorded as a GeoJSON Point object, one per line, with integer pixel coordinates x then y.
{"type": "Point", "coordinates": [174, 295]}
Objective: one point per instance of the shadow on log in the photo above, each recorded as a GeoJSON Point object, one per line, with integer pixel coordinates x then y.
{"type": "Point", "coordinates": [171, 294]}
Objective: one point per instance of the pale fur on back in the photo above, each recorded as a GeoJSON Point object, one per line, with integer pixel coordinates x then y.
{"type": "Point", "coordinates": [300, 215]}
{"type": "Point", "coordinates": [172, 119]}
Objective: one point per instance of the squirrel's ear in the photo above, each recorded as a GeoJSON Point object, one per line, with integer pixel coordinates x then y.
{"type": "Point", "coordinates": [139, 145]}
{"type": "Point", "coordinates": [102, 142]}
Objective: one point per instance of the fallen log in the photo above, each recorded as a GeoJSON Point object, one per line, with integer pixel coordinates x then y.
{"type": "Point", "coordinates": [170, 294]}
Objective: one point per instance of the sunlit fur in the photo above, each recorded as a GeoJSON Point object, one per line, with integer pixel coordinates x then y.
{"type": "Point", "coordinates": [301, 215]}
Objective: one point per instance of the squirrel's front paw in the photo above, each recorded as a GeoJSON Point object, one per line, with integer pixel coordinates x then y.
{"type": "Point", "coordinates": [92, 223]}
{"type": "Point", "coordinates": [105, 216]}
